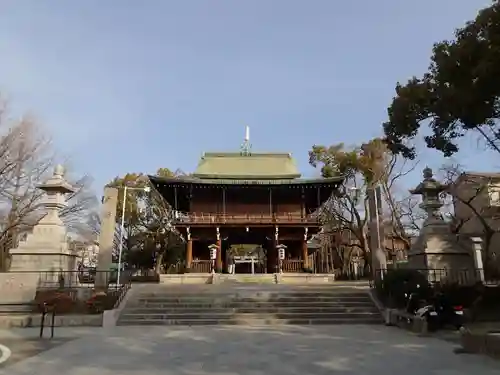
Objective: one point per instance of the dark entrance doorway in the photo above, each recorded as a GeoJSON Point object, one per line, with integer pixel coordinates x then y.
{"type": "Point", "coordinates": [247, 258]}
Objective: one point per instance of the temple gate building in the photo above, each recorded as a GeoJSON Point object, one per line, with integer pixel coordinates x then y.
{"type": "Point", "coordinates": [246, 198]}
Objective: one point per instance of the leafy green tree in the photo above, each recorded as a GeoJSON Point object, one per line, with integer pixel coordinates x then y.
{"type": "Point", "coordinates": [148, 239]}
{"type": "Point", "coordinates": [458, 95]}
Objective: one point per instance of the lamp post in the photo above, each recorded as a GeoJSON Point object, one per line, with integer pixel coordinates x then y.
{"type": "Point", "coordinates": [213, 255]}
{"type": "Point", "coordinates": [146, 189]}
{"type": "Point", "coordinates": [281, 256]}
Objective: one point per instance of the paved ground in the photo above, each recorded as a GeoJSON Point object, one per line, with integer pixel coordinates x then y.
{"type": "Point", "coordinates": [22, 348]}
{"type": "Point", "coordinates": [251, 351]}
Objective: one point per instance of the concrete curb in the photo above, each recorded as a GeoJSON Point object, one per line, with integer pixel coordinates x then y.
{"type": "Point", "coordinates": [381, 308]}
{"type": "Point", "coordinates": [110, 317]}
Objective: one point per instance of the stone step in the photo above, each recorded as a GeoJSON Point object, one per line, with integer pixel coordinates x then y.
{"type": "Point", "coordinates": [245, 280]}
{"type": "Point", "coordinates": [249, 322]}
{"type": "Point", "coordinates": [15, 309]}
{"type": "Point", "coordinates": [14, 320]}
{"type": "Point", "coordinates": [235, 291]}
{"type": "Point", "coordinates": [248, 309]}
{"type": "Point", "coordinates": [255, 305]}
{"type": "Point", "coordinates": [238, 315]}
{"type": "Point", "coordinates": [250, 305]}
{"type": "Point", "coordinates": [305, 298]}
{"type": "Point", "coordinates": [308, 297]}
{"type": "Point", "coordinates": [242, 298]}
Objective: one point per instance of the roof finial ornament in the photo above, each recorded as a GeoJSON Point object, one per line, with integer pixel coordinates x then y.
{"type": "Point", "coordinates": [246, 147]}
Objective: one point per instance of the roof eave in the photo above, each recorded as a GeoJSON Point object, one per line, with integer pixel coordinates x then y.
{"type": "Point", "coordinates": [196, 180]}
{"type": "Point", "coordinates": [290, 176]}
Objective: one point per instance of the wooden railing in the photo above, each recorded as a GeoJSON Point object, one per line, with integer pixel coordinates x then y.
{"type": "Point", "coordinates": [205, 266]}
{"type": "Point", "coordinates": [207, 218]}
{"type": "Point", "coordinates": [292, 265]}
{"type": "Point", "coordinates": [201, 266]}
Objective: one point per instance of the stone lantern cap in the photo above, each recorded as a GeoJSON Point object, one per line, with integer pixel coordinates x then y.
{"type": "Point", "coordinates": [429, 184]}
{"type": "Point", "coordinates": [57, 183]}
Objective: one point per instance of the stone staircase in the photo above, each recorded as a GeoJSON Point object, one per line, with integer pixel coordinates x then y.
{"type": "Point", "coordinates": [232, 303]}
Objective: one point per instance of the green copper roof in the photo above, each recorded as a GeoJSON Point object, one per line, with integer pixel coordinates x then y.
{"type": "Point", "coordinates": [236, 166]}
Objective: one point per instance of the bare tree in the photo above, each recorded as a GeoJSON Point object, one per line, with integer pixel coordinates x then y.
{"type": "Point", "coordinates": [473, 214]}
{"type": "Point", "coordinates": [402, 216]}
{"type": "Point", "coordinates": [345, 217]}
{"type": "Point", "coordinates": [26, 160]}
{"type": "Point", "coordinates": [81, 207]}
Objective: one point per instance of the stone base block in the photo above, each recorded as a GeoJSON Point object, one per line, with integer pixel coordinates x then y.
{"type": "Point", "coordinates": [481, 343]}
{"type": "Point", "coordinates": [188, 278]}
{"type": "Point", "coordinates": [305, 278]}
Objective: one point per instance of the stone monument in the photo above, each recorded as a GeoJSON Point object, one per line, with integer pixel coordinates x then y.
{"type": "Point", "coordinates": [436, 247]}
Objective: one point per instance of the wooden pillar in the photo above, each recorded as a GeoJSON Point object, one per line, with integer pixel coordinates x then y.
{"type": "Point", "coordinates": [218, 260]}
{"type": "Point", "coordinates": [271, 263]}
{"type": "Point", "coordinates": [224, 203]}
{"type": "Point", "coordinates": [175, 199]}
{"type": "Point", "coordinates": [270, 202]}
{"type": "Point", "coordinates": [275, 251]}
{"type": "Point", "coordinates": [189, 249]}
{"type": "Point", "coordinates": [304, 250]}
{"type": "Point", "coordinates": [302, 204]}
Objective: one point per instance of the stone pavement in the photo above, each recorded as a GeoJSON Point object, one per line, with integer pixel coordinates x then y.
{"type": "Point", "coordinates": [241, 350]}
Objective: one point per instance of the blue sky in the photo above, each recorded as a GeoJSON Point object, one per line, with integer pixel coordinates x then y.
{"type": "Point", "coordinates": [137, 85]}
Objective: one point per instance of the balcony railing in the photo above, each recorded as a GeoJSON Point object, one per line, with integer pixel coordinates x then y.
{"type": "Point", "coordinates": [282, 218]}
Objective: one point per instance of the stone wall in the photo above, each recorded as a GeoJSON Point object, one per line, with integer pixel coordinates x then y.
{"type": "Point", "coordinates": [18, 287]}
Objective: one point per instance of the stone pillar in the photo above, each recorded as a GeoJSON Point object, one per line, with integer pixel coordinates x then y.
{"type": "Point", "coordinates": [189, 249]}
{"type": "Point", "coordinates": [218, 260]}
{"type": "Point", "coordinates": [375, 228]}
{"type": "Point", "coordinates": [305, 252]}
{"type": "Point", "coordinates": [106, 235]}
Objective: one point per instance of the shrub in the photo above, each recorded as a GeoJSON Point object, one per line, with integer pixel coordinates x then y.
{"type": "Point", "coordinates": [491, 297]}
{"type": "Point", "coordinates": [396, 283]}
{"type": "Point", "coordinates": [456, 294]}
{"type": "Point", "coordinates": [61, 301]}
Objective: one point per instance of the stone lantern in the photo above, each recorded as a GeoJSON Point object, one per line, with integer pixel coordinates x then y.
{"type": "Point", "coordinates": [55, 188]}
{"type": "Point", "coordinates": [430, 189]}
{"type": "Point", "coordinates": [436, 248]}
{"type": "Point", "coordinates": [46, 248]}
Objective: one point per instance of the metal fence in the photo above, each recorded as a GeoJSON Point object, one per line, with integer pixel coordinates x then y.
{"type": "Point", "coordinates": [89, 279]}
{"type": "Point", "coordinates": [445, 276]}
{"type": "Point", "coordinates": [69, 292]}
